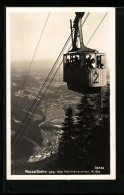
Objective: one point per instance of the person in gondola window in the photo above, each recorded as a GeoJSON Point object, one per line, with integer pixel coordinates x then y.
{"type": "Point", "coordinates": [93, 65]}
{"type": "Point", "coordinates": [88, 61]}
{"type": "Point", "coordinates": [98, 62]}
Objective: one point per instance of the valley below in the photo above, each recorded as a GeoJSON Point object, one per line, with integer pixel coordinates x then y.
{"type": "Point", "coordinates": [35, 130]}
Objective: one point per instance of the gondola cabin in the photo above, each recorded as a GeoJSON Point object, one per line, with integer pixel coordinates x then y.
{"type": "Point", "coordinates": [84, 68]}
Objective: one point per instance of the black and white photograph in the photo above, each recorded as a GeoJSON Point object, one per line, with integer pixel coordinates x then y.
{"type": "Point", "coordinates": [60, 81]}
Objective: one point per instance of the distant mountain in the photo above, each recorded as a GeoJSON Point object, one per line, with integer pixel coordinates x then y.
{"type": "Point", "coordinates": [20, 81]}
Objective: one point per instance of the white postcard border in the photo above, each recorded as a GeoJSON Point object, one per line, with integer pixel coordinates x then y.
{"type": "Point", "coordinates": [112, 175]}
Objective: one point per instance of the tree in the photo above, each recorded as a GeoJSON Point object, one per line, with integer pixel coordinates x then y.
{"type": "Point", "coordinates": [85, 143]}
{"type": "Point", "coordinates": [66, 141]}
{"type": "Point", "coordinates": [85, 127]}
{"type": "Point", "coordinates": [105, 110]}
{"type": "Point", "coordinates": [102, 137]}
{"type": "Point", "coordinates": [100, 150]}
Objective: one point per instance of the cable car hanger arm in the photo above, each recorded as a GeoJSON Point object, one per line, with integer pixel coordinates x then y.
{"type": "Point", "coordinates": [76, 31]}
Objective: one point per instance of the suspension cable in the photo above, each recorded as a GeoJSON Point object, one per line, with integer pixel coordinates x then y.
{"type": "Point", "coordinates": [31, 61]}
{"type": "Point", "coordinates": [97, 28]}
{"type": "Point", "coordinates": [20, 133]}
{"type": "Point", "coordinates": [45, 82]}
{"type": "Point", "coordinates": [42, 86]}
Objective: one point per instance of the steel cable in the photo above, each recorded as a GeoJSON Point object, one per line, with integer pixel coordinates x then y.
{"type": "Point", "coordinates": [44, 84]}
{"type": "Point", "coordinates": [31, 61]}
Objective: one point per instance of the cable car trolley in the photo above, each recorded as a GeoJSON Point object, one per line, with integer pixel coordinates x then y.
{"type": "Point", "coordinates": [84, 68]}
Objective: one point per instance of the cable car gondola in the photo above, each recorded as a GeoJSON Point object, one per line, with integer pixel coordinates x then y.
{"type": "Point", "coordinates": [84, 69]}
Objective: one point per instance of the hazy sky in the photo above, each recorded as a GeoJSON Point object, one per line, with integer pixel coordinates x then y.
{"type": "Point", "coordinates": [26, 27]}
